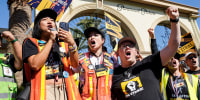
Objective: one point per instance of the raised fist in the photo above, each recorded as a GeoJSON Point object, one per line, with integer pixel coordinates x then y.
{"type": "Point", "coordinates": [173, 12]}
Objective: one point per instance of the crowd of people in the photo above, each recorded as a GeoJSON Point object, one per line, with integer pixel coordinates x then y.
{"type": "Point", "coordinates": [50, 58]}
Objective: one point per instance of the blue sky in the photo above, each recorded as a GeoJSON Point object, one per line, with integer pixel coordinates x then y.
{"type": "Point", "coordinates": [4, 16]}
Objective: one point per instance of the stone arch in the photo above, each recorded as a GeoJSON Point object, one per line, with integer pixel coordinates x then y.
{"type": "Point", "coordinates": [126, 25]}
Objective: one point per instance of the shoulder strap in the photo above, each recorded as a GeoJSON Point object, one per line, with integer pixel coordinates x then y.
{"type": "Point", "coordinates": [192, 84]}
{"type": "Point", "coordinates": [27, 70]}
{"type": "Point", "coordinates": [34, 40]}
{"type": "Point", "coordinates": [164, 79]}
{"type": "Point", "coordinates": [190, 78]}
{"type": "Point", "coordinates": [1, 57]}
{"type": "Point", "coordinates": [81, 56]}
{"type": "Point", "coordinates": [107, 60]}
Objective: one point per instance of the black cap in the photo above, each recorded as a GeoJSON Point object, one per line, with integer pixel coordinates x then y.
{"type": "Point", "coordinates": [46, 13]}
{"type": "Point", "coordinates": [125, 39]}
{"type": "Point", "coordinates": [177, 56]}
{"type": "Point", "coordinates": [90, 29]}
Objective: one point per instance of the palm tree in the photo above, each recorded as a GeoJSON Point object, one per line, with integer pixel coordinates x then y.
{"type": "Point", "coordinates": [19, 21]}
{"type": "Point", "coordinates": [20, 18]}
{"type": "Point", "coordinates": [83, 24]}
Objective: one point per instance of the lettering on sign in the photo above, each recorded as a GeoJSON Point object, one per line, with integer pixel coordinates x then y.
{"type": "Point", "coordinates": [142, 11]}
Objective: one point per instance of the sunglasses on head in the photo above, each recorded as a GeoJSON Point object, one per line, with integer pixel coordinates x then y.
{"type": "Point", "coordinates": [190, 57]}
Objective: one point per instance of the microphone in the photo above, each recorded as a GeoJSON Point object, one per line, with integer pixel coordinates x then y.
{"type": "Point", "coordinates": [53, 29]}
{"type": "Point", "coordinates": [57, 39]}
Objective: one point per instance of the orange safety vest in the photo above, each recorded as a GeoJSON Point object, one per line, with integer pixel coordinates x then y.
{"type": "Point", "coordinates": [38, 78]}
{"type": "Point", "coordinates": [90, 91]}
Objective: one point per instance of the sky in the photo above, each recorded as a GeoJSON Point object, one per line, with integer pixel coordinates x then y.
{"type": "Point", "coordinates": [4, 12]}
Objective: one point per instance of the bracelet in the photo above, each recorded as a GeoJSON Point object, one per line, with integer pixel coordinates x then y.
{"type": "Point", "coordinates": [174, 20]}
{"type": "Point", "coordinates": [73, 48]}
{"type": "Point", "coordinates": [13, 41]}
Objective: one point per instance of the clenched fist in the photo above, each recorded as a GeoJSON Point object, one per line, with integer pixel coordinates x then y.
{"type": "Point", "coordinates": [173, 12]}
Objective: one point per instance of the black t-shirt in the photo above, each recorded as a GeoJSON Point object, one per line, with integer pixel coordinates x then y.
{"type": "Point", "coordinates": [53, 61]}
{"type": "Point", "coordinates": [140, 81]}
{"type": "Point", "coordinates": [11, 62]}
{"type": "Point", "coordinates": [194, 72]}
{"type": "Point", "coordinates": [181, 90]}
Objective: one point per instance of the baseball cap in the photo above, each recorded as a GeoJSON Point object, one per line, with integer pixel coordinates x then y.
{"type": "Point", "coordinates": [189, 53]}
{"type": "Point", "coordinates": [90, 29]}
{"type": "Point", "coordinates": [125, 39]}
{"type": "Point", "coordinates": [46, 13]}
{"type": "Point", "coordinates": [177, 56]}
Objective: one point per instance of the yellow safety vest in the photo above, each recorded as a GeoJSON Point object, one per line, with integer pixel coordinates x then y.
{"type": "Point", "coordinates": [38, 79]}
{"type": "Point", "coordinates": [103, 83]}
{"type": "Point", "coordinates": [8, 89]}
{"type": "Point", "coordinates": [191, 81]}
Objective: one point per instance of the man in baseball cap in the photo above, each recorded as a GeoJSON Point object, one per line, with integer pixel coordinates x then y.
{"type": "Point", "coordinates": [127, 39]}
{"type": "Point", "coordinates": [140, 80]}
{"type": "Point", "coordinates": [192, 61]}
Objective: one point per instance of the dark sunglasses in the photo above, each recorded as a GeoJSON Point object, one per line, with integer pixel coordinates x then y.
{"type": "Point", "coordinates": [190, 57]}
{"type": "Point", "coordinates": [127, 45]}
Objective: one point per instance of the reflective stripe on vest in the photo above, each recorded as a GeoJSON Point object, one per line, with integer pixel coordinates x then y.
{"type": "Point", "coordinates": [192, 87]}
{"type": "Point", "coordinates": [8, 88]}
{"type": "Point", "coordinates": [90, 91]}
{"type": "Point", "coordinates": [6, 96]}
{"type": "Point", "coordinates": [7, 79]}
{"type": "Point", "coordinates": [38, 88]}
{"type": "Point", "coordinates": [72, 89]}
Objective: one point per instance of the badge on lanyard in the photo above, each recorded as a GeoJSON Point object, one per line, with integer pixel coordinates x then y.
{"type": "Point", "coordinates": [7, 71]}
{"type": "Point", "coordinates": [100, 70]}
{"type": "Point", "coordinates": [65, 74]}
{"type": "Point", "coordinates": [62, 51]}
{"type": "Point", "coordinates": [48, 70]}
{"type": "Point", "coordinates": [111, 72]}
{"type": "Point", "coordinates": [55, 69]}
{"type": "Point", "coordinates": [90, 66]}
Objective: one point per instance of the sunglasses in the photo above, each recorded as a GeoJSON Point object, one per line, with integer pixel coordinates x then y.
{"type": "Point", "coordinates": [190, 57]}
{"type": "Point", "coordinates": [127, 45]}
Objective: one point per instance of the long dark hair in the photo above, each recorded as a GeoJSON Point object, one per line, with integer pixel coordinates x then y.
{"type": "Point", "coordinates": [36, 30]}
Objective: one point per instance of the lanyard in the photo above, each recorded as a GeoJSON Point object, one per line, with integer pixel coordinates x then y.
{"type": "Point", "coordinates": [97, 58]}
{"type": "Point", "coordinates": [174, 85]}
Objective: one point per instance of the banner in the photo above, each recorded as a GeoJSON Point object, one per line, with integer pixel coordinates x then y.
{"type": "Point", "coordinates": [186, 45]}
{"type": "Point", "coordinates": [113, 26]}
{"type": "Point", "coordinates": [60, 6]}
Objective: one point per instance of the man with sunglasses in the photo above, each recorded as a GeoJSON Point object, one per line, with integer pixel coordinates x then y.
{"type": "Point", "coordinates": [140, 80]}
{"type": "Point", "coordinates": [192, 61]}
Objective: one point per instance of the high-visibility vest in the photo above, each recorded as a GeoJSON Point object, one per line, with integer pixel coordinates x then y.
{"type": "Point", "coordinates": [8, 85]}
{"type": "Point", "coordinates": [103, 83]}
{"type": "Point", "coordinates": [38, 78]}
{"type": "Point", "coordinates": [191, 81]}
